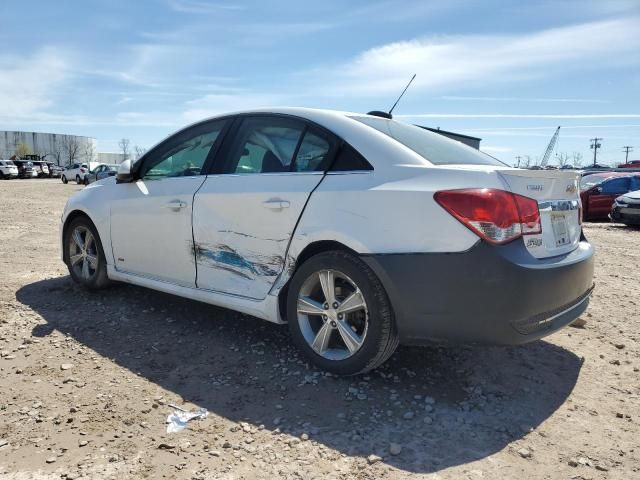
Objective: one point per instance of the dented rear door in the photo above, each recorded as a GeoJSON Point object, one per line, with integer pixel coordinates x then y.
{"type": "Point", "coordinates": [244, 217]}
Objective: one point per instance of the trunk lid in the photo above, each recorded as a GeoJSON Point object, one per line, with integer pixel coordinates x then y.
{"type": "Point", "coordinates": [558, 196]}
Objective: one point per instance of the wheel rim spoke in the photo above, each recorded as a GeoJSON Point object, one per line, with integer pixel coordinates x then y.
{"type": "Point", "coordinates": [85, 269]}
{"type": "Point", "coordinates": [321, 342]}
{"type": "Point", "coordinates": [352, 303]}
{"type": "Point", "coordinates": [308, 306]}
{"type": "Point", "coordinates": [77, 239]}
{"type": "Point", "coordinates": [350, 338]}
{"type": "Point", "coordinates": [93, 261]}
{"type": "Point", "coordinates": [327, 282]}
{"type": "Point", "coordinates": [75, 258]}
{"type": "Point", "coordinates": [88, 241]}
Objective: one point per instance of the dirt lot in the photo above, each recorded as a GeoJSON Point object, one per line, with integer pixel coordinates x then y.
{"type": "Point", "coordinates": [86, 379]}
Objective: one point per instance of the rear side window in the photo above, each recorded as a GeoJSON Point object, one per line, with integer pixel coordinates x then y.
{"type": "Point", "coordinates": [312, 153]}
{"type": "Point", "coordinates": [265, 145]}
{"type": "Point", "coordinates": [431, 146]}
{"type": "Point", "coordinates": [349, 159]}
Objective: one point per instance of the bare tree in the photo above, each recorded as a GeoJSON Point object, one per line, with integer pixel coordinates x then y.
{"type": "Point", "coordinates": [563, 159]}
{"type": "Point", "coordinates": [527, 161]}
{"type": "Point", "coordinates": [139, 151]}
{"type": "Point", "coordinates": [576, 158]}
{"type": "Point", "coordinates": [89, 152]}
{"type": "Point", "coordinates": [70, 148]}
{"type": "Point", "coordinates": [124, 148]}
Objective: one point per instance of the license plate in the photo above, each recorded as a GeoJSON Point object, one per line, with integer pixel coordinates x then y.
{"type": "Point", "coordinates": [560, 230]}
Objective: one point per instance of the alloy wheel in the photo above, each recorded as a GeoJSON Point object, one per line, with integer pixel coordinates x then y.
{"type": "Point", "coordinates": [83, 253]}
{"type": "Point", "coordinates": [332, 314]}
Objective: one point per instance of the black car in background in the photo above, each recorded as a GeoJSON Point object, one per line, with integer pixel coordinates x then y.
{"type": "Point", "coordinates": [55, 171]}
{"type": "Point", "coordinates": [100, 172]}
{"type": "Point", "coordinates": [626, 209]}
{"type": "Point", "coordinates": [25, 169]}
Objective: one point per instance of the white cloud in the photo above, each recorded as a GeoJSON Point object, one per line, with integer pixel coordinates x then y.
{"type": "Point", "coordinates": [518, 115]}
{"type": "Point", "coordinates": [495, 149]}
{"type": "Point", "coordinates": [202, 7]}
{"type": "Point", "coordinates": [523, 99]}
{"type": "Point", "coordinates": [214, 104]}
{"type": "Point", "coordinates": [28, 84]}
{"type": "Point", "coordinates": [474, 59]}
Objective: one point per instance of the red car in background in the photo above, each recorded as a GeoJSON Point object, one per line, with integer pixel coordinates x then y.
{"type": "Point", "coordinates": [631, 164]}
{"type": "Point", "coordinates": [598, 191]}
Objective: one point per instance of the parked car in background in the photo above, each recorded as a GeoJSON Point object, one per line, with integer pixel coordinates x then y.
{"type": "Point", "coordinates": [75, 171]}
{"type": "Point", "coordinates": [100, 172]}
{"type": "Point", "coordinates": [8, 170]}
{"type": "Point", "coordinates": [598, 191]}
{"type": "Point", "coordinates": [631, 164]}
{"type": "Point", "coordinates": [626, 209]}
{"type": "Point", "coordinates": [360, 232]}
{"type": "Point", "coordinates": [55, 171]}
{"type": "Point", "coordinates": [41, 168]}
{"type": "Point", "coordinates": [25, 169]}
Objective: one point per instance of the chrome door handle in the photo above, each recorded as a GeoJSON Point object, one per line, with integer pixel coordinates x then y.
{"type": "Point", "coordinates": [276, 204]}
{"type": "Point", "coordinates": [176, 204]}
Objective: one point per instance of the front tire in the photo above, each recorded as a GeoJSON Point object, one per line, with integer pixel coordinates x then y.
{"type": "Point", "coordinates": [84, 255]}
{"type": "Point", "coordinates": [339, 314]}
{"type": "Point", "coordinates": [64, 180]}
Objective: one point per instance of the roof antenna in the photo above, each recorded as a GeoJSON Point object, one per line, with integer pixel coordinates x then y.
{"type": "Point", "coordinates": [388, 115]}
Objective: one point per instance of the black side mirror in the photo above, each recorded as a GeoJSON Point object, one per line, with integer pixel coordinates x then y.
{"type": "Point", "coordinates": [125, 174]}
{"type": "Point", "coordinates": [597, 190]}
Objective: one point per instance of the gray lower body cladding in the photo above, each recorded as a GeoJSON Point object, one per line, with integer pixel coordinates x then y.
{"type": "Point", "coordinates": [488, 294]}
{"type": "Point", "coordinates": [629, 215]}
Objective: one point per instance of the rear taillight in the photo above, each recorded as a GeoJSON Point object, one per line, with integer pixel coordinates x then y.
{"type": "Point", "coordinates": [495, 215]}
{"type": "Point", "coordinates": [83, 170]}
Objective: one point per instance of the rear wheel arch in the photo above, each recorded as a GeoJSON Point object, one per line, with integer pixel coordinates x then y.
{"type": "Point", "coordinates": [307, 252]}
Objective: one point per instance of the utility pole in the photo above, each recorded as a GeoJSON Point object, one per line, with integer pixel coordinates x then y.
{"type": "Point", "coordinates": [518, 158]}
{"type": "Point", "coordinates": [627, 149]}
{"type": "Point", "coordinates": [595, 145]}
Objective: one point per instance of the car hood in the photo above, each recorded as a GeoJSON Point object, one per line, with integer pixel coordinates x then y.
{"type": "Point", "coordinates": [634, 196]}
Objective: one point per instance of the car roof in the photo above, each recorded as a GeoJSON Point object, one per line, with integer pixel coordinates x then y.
{"type": "Point", "coordinates": [371, 143]}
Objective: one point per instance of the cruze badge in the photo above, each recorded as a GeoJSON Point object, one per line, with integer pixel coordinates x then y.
{"type": "Point", "coordinates": [537, 188]}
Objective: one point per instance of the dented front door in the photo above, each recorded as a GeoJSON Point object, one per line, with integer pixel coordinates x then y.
{"type": "Point", "coordinates": [242, 225]}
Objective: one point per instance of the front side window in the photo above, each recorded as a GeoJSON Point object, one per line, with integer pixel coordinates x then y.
{"type": "Point", "coordinates": [431, 146]}
{"type": "Point", "coordinates": [265, 145]}
{"type": "Point", "coordinates": [184, 154]}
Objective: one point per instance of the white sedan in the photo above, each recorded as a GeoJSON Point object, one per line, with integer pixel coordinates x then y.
{"type": "Point", "coordinates": [359, 231]}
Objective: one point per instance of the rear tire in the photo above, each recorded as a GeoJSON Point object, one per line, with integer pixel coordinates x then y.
{"type": "Point", "coordinates": [64, 180]}
{"type": "Point", "coordinates": [349, 343]}
{"type": "Point", "coordinates": [84, 255]}
{"type": "Point", "coordinates": [78, 179]}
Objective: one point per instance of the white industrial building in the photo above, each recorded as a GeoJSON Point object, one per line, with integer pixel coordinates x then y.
{"type": "Point", "coordinates": [55, 147]}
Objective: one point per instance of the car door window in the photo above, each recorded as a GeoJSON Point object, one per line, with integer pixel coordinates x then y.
{"type": "Point", "coordinates": [313, 153]}
{"type": "Point", "coordinates": [184, 154]}
{"type": "Point", "coordinates": [265, 145]}
{"type": "Point", "coordinates": [615, 185]}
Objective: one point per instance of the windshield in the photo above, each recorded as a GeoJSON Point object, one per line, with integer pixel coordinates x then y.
{"type": "Point", "coordinates": [433, 147]}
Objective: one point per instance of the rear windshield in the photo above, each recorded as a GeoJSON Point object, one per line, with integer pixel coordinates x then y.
{"type": "Point", "coordinates": [589, 181]}
{"type": "Point", "coordinates": [431, 146]}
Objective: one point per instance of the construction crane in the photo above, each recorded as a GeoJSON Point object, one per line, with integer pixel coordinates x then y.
{"type": "Point", "coordinates": [550, 148]}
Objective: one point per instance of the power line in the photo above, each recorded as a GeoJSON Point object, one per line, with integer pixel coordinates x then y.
{"type": "Point", "coordinates": [595, 145]}
{"type": "Point", "coordinates": [627, 149]}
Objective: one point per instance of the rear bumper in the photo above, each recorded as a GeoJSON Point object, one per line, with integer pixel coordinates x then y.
{"type": "Point", "coordinates": [488, 294]}
{"type": "Point", "coordinates": [629, 216]}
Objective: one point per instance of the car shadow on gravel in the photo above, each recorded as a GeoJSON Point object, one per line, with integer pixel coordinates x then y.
{"type": "Point", "coordinates": [443, 406]}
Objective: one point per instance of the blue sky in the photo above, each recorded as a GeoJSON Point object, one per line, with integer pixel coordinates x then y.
{"type": "Point", "coordinates": [508, 72]}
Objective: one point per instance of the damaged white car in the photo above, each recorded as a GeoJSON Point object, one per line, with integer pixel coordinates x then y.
{"type": "Point", "coordinates": [358, 231]}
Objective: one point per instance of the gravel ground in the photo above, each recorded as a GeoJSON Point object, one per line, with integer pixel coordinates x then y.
{"type": "Point", "coordinates": [86, 381]}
